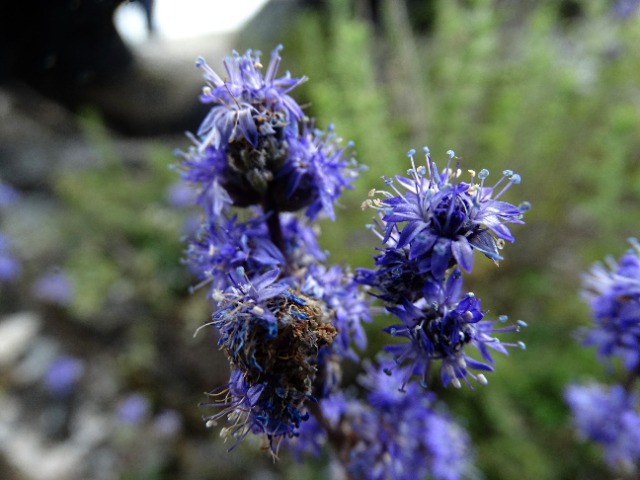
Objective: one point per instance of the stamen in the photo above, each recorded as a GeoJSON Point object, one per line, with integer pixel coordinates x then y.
{"type": "Point", "coordinates": [514, 179]}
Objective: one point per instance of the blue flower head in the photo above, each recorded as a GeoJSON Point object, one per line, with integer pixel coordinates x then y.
{"type": "Point", "coordinates": [227, 245]}
{"type": "Point", "coordinates": [613, 292]}
{"type": "Point", "coordinates": [272, 336]}
{"type": "Point", "coordinates": [316, 172]}
{"type": "Point", "coordinates": [247, 103]}
{"type": "Point", "coordinates": [396, 433]}
{"type": "Point", "coordinates": [434, 221]}
{"type": "Point", "coordinates": [440, 326]}
{"type": "Point", "coordinates": [606, 415]}
{"type": "Point", "coordinates": [255, 147]}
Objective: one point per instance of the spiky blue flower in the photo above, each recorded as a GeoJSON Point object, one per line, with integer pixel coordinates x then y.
{"type": "Point", "coordinates": [608, 416]}
{"type": "Point", "coordinates": [613, 292]}
{"type": "Point", "coordinates": [246, 102]}
{"type": "Point", "coordinates": [224, 246]}
{"type": "Point", "coordinates": [256, 147]}
{"type": "Point", "coordinates": [272, 336]}
{"type": "Point", "coordinates": [316, 171]}
{"type": "Point", "coordinates": [255, 408]}
{"type": "Point", "coordinates": [440, 326]}
{"type": "Point", "coordinates": [209, 172]}
{"type": "Point", "coordinates": [437, 220]}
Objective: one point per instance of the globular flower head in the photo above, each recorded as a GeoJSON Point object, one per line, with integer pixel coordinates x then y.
{"type": "Point", "coordinates": [613, 292]}
{"type": "Point", "coordinates": [224, 246]}
{"type": "Point", "coordinates": [436, 220]}
{"type": "Point", "coordinates": [439, 327]}
{"type": "Point", "coordinates": [255, 147]}
{"type": "Point", "coordinates": [246, 102]}
{"type": "Point", "coordinates": [607, 415]}
{"type": "Point", "coordinates": [315, 173]}
{"type": "Point", "coordinates": [246, 136]}
{"type": "Point", "coordinates": [271, 335]}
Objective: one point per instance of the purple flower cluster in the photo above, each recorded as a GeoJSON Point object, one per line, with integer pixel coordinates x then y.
{"type": "Point", "coordinates": [256, 147]}
{"type": "Point", "coordinates": [278, 305]}
{"type": "Point", "coordinates": [613, 293]}
{"type": "Point", "coordinates": [430, 228]}
{"type": "Point", "coordinates": [287, 319]}
{"type": "Point", "coordinates": [610, 416]}
{"type": "Point", "coordinates": [393, 433]}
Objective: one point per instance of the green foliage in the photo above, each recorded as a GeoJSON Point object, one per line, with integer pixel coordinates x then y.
{"type": "Point", "coordinates": [121, 236]}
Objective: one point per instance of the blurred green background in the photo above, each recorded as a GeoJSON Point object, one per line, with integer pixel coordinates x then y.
{"type": "Point", "coordinates": [548, 89]}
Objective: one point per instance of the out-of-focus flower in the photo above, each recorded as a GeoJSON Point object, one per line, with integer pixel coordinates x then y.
{"type": "Point", "coordinates": [606, 415]}
{"type": "Point", "coordinates": [133, 409]}
{"type": "Point", "coordinates": [10, 267]}
{"type": "Point", "coordinates": [395, 434]}
{"type": "Point", "coordinates": [54, 287]}
{"type": "Point", "coordinates": [449, 447]}
{"type": "Point", "coordinates": [168, 422]}
{"type": "Point", "coordinates": [613, 292]}
{"type": "Point", "coordinates": [180, 195]}
{"type": "Point", "coordinates": [625, 8]}
{"type": "Point", "coordinates": [399, 437]}
{"type": "Point", "coordinates": [8, 195]}
{"type": "Point", "coordinates": [63, 375]}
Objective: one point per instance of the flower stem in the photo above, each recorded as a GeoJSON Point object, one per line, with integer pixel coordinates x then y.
{"type": "Point", "coordinates": [631, 378]}
{"type": "Point", "coordinates": [337, 438]}
{"type": "Point", "coordinates": [275, 231]}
